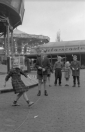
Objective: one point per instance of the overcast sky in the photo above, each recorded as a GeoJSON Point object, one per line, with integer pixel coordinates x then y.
{"type": "Point", "coordinates": [47, 17]}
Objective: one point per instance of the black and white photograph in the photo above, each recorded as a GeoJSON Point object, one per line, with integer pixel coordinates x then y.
{"type": "Point", "coordinates": [42, 65]}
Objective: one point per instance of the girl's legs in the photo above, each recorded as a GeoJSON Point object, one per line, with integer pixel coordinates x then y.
{"type": "Point", "coordinates": [27, 100]}
{"type": "Point", "coordinates": [25, 97]}
{"type": "Point", "coordinates": [17, 98]}
{"type": "Point", "coordinates": [67, 81]}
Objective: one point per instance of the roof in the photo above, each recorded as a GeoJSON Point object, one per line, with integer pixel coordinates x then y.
{"type": "Point", "coordinates": [20, 34]}
{"type": "Point", "coordinates": [64, 43]}
{"type": "Point", "coordinates": [16, 31]}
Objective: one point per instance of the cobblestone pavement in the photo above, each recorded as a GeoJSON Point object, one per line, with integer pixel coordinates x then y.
{"type": "Point", "coordinates": [62, 111]}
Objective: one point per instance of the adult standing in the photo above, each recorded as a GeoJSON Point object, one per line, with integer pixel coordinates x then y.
{"type": "Point", "coordinates": [75, 66]}
{"type": "Point", "coordinates": [42, 65]}
{"type": "Point", "coordinates": [58, 67]}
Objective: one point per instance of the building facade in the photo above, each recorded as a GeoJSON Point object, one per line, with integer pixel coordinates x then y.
{"type": "Point", "coordinates": [66, 49]}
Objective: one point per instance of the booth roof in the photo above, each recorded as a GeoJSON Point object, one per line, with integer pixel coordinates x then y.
{"type": "Point", "coordinates": [64, 43]}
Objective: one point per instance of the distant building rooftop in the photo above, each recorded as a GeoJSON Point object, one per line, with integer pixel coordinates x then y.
{"type": "Point", "coordinates": [64, 43]}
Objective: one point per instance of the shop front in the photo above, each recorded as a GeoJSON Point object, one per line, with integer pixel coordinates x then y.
{"type": "Point", "coordinates": [66, 49]}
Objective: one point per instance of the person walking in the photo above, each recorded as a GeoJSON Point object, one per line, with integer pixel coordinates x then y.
{"type": "Point", "coordinates": [67, 73]}
{"type": "Point", "coordinates": [42, 65]}
{"type": "Point", "coordinates": [58, 73]}
{"type": "Point", "coordinates": [75, 67]}
{"type": "Point", "coordinates": [19, 87]}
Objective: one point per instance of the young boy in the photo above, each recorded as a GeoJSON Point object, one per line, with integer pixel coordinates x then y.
{"type": "Point", "coordinates": [75, 66]}
{"type": "Point", "coordinates": [42, 65]}
{"type": "Point", "coordinates": [58, 67]}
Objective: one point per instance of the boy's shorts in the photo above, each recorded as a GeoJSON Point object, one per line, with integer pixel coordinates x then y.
{"type": "Point", "coordinates": [42, 77]}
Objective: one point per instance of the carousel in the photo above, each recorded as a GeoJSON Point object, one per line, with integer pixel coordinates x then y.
{"type": "Point", "coordinates": [25, 46]}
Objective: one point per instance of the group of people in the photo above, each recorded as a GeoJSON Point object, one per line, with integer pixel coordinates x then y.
{"type": "Point", "coordinates": [74, 67]}
{"type": "Point", "coordinates": [44, 69]}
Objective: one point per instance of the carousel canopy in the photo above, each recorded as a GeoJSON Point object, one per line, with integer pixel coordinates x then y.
{"type": "Point", "coordinates": [19, 34]}
{"type": "Point", "coordinates": [25, 42]}
{"type": "Point", "coordinates": [12, 10]}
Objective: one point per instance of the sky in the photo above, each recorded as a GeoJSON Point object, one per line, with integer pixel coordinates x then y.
{"type": "Point", "coordinates": [48, 17]}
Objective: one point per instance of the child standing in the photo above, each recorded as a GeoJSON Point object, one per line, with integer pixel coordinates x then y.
{"type": "Point", "coordinates": [75, 66]}
{"type": "Point", "coordinates": [18, 85]}
{"type": "Point", "coordinates": [67, 73]}
{"type": "Point", "coordinates": [42, 64]}
{"type": "Point", "coordinates": [58, 73]}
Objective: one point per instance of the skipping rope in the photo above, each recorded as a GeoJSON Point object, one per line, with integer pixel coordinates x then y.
{"type": "Point", "coordinates": [26, 117]}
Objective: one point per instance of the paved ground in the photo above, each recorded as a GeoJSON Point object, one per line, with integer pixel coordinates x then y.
{"type": "Point", "coordinates": [62, 111]}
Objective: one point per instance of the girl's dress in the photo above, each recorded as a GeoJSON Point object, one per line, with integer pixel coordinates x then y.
{"type": "Point", "coordinates": [17, 83]}
{"type": "Point", "coordinates": [67, 73]}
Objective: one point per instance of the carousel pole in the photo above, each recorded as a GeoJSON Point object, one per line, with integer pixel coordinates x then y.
{"type": "Point", "coordinates": [8, 57]}
{"type": "Point", "coordinates": [5, 46]}
{"type": "Point", "coordinates": [12, 48]}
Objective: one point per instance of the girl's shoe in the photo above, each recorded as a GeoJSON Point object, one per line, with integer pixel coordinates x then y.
{"type": "Point", "coordinates": [39, 93]}
{"type": "Point", "coordinates": [66, 84]}
{"type": "Point", "coordinates": [15, 103]}
{"type": "Point", "coordinates": [30, 103]}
